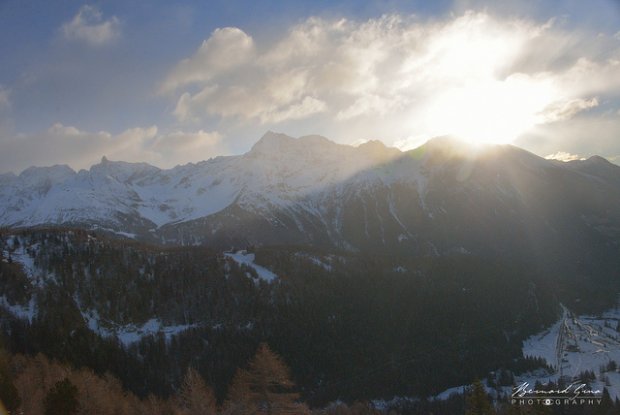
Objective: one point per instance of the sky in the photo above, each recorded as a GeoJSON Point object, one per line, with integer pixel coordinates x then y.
{"type": "Point", "coordinates": [175, 82]}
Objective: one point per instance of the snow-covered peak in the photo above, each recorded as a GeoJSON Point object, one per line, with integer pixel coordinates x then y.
{"type": "Point", "coordinates": [317, 141]}
{"type": "Point", "coordinates": [6, 178]}
{"type": "Point", "coordinates": [449, 146]}
{"type": "Point", "coordinates": [122, 171]}
{"type": "Point", "coordinates": [378, 150]}
{"type": "Point", "coordinates": [276, 145]}
{"type": "Point", "coordinates": [39, 180]}
{"type": "Point", "coordinates": [56, 173]}
{"type": "Point", "coordinates": [272, 142]}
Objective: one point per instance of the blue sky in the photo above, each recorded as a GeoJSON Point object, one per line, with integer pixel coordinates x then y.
{"type": "Point", "coordinates": [175, 82]}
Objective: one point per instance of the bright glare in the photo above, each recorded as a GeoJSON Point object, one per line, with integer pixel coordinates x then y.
{"type": "Point", "coordinates": [473, 101]}
{"type": "Point", "coordinates": [489, 111]}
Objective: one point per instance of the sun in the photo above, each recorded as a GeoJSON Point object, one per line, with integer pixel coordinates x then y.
{"type": "Point", "coordinates": [493, 111]}
{"type": "Point", "coordinates": [479, 94]}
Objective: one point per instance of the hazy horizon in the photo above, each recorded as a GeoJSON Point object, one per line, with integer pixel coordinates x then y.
{"type": "Point", "coordinates": [558, 157]}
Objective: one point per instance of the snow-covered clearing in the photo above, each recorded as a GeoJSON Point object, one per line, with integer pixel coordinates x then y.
{"type": "Point", "coordinates": [132, 333]}
{"type": "Point", "coordinates": [244, 258]}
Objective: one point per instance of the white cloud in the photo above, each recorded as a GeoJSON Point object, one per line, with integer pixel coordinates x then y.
{"type": "Point", "coordinates": [564, 156]}
{"type": "Point", "coordinates": [475, 75]}
{"type": "Point", "coordinates": [304, 108]}
{"type": "Point", "coordinates": [559, 111]}
{"type": "Point", "coordinates": [89, 26]}
{"type": "Point", "coordinates": [365, 104]}
{"type": "Point", "coordinates": [62, 144]}
{"type": "Point", "coordinates": [226, 49]}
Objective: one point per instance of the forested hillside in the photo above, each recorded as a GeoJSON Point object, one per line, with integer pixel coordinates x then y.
{"type": "Point", "coordinates": [350, 326]}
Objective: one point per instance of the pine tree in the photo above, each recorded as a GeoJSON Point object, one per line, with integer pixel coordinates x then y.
{"type": "Point", "coordinates": [195, 397]}
{"type": "Point", "coordinates": [62, 399]}
{"type": "Point", "coordinates": [478, 402]}
{"type": "Point", "coordinates": [264, 388]}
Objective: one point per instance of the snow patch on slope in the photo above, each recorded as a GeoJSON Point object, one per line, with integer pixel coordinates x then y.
{"type": "Point", "coordinates": [25, 312]}
{"type": "Point", "coordinates": [132, 333]}
{"type": "Point", "coordinates": [321, 261]}
{"type": "Point", "coordinates": [25, 259]}
{"type": "Point", "coordinates": [244, 258]}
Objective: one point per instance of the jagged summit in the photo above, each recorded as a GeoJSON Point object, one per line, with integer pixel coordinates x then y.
{"type": "Point", "coordinates": [278, 143]}
{"type": "Point", "coordinates": [121, 170]}
{"type": "Point", "coordinates": [315, 140]}
{"type": "Point", "coordinates": [57, 170]}
{"type": "Point", "coordinates": [53, 174]}
{"type": "Point", "coordinates": [377, 149]}
{"type": "Point", "coordinates": [372, 145]}
{"type": "Point", "coordinates": [272, 141]}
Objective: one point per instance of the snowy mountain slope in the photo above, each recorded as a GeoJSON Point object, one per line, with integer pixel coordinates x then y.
{"type": "Point", "coordinates": [442, 197]}
{"type": "Point", "coordinates": [278, 170]}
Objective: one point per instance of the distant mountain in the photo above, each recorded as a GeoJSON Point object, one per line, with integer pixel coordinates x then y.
{"type": "Point", "coordinates": [279, 173]}
{"type": "Point", "coordinates": [441, 198]}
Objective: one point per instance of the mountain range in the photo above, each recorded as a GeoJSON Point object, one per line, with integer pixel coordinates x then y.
{"type": "Point", "coordinates": [441, 198]}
